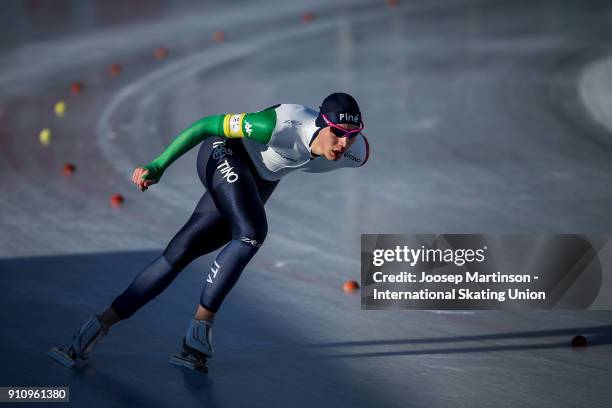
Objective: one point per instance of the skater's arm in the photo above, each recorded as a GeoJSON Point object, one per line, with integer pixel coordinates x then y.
{"type": "Point", "coordinates": [185, 141]}
{"type": "Point", "coordinates": [257, 126]}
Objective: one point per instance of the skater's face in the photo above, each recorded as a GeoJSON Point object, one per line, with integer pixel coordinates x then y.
{"type": "Point", "coordinates": [332, 146]}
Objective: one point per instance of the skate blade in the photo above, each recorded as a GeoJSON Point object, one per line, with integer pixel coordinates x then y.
{"type": "Point", "coordinates": [180, 360]}
{"type": "Point", "coordinates": [61, 356]}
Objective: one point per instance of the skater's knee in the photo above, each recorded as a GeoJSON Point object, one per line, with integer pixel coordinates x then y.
{"type": "Point", "coordinates": [254, 240]}
{"type": "Point", "coordinates": [254, 233]}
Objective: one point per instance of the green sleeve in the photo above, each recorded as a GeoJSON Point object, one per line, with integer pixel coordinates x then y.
{"type": "Point", "coordinates": [257, 126]}
{"type": "Point", "coordinates": [187, 139]}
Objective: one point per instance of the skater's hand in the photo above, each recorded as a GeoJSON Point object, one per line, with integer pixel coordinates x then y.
{"type": "Point", "coordinates": [143, 179]}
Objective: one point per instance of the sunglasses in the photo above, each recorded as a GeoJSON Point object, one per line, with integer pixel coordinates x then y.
{"type": "Point", "coordinates": [340, 131]}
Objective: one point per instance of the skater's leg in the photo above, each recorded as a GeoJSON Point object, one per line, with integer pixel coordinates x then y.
{"type": "Point", "coordinates": [240, 195]}
{"type": "Point", "coordinates": [149, 283]}
{"type": "Point", "coordinates": [109, 317]}
{"type": "Point", "coordinates": [204, 314]}
{"type": "Point", "coordinates": [208, 231]}
{"type": "Point", "coordinates": [243, 208]}
{"type": "Point", "coordinates": [241, 201]}
{"type": "Point", "coordinates": [205, 231]}
{"type": "Point", "coordinates": [92, 331]}
{"type": "Point", "coordinates": [249, 229]}
{"type": "Point", "coordinates": [265, 190]}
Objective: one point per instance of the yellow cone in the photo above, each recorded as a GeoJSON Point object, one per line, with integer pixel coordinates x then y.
{"type": "Point", "coordinates": [45, 137]}
{"type": "Point", "coordinates": [60, 108]}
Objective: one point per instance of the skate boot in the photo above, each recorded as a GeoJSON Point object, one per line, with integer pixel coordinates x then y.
{"type": "Point", "coordinates": [83, 343]}
{"type": "Point", "coordinates": [197, 347]}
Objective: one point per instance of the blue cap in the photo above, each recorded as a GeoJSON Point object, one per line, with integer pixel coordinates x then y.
{"type": "Point", "coordinates": [339, 107]}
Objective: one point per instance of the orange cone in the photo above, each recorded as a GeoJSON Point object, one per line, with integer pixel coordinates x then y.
{"type": "Point", "coordinates": [219, 36]}
{"type": "Point", "coordinates": [160, 53]}
{"type": "Point", "coordinates": [116, 200]}
{"type": "Point", "coordinates": [350, 286]}
{"type": "Point", "coordinates": [69, 169]}
{"type": "Point", "coordinates": [307, 17]}
{"type": "Point", "coordinates": [76, 87]}
{"type": "Point", "coordinates": [115, 69]}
